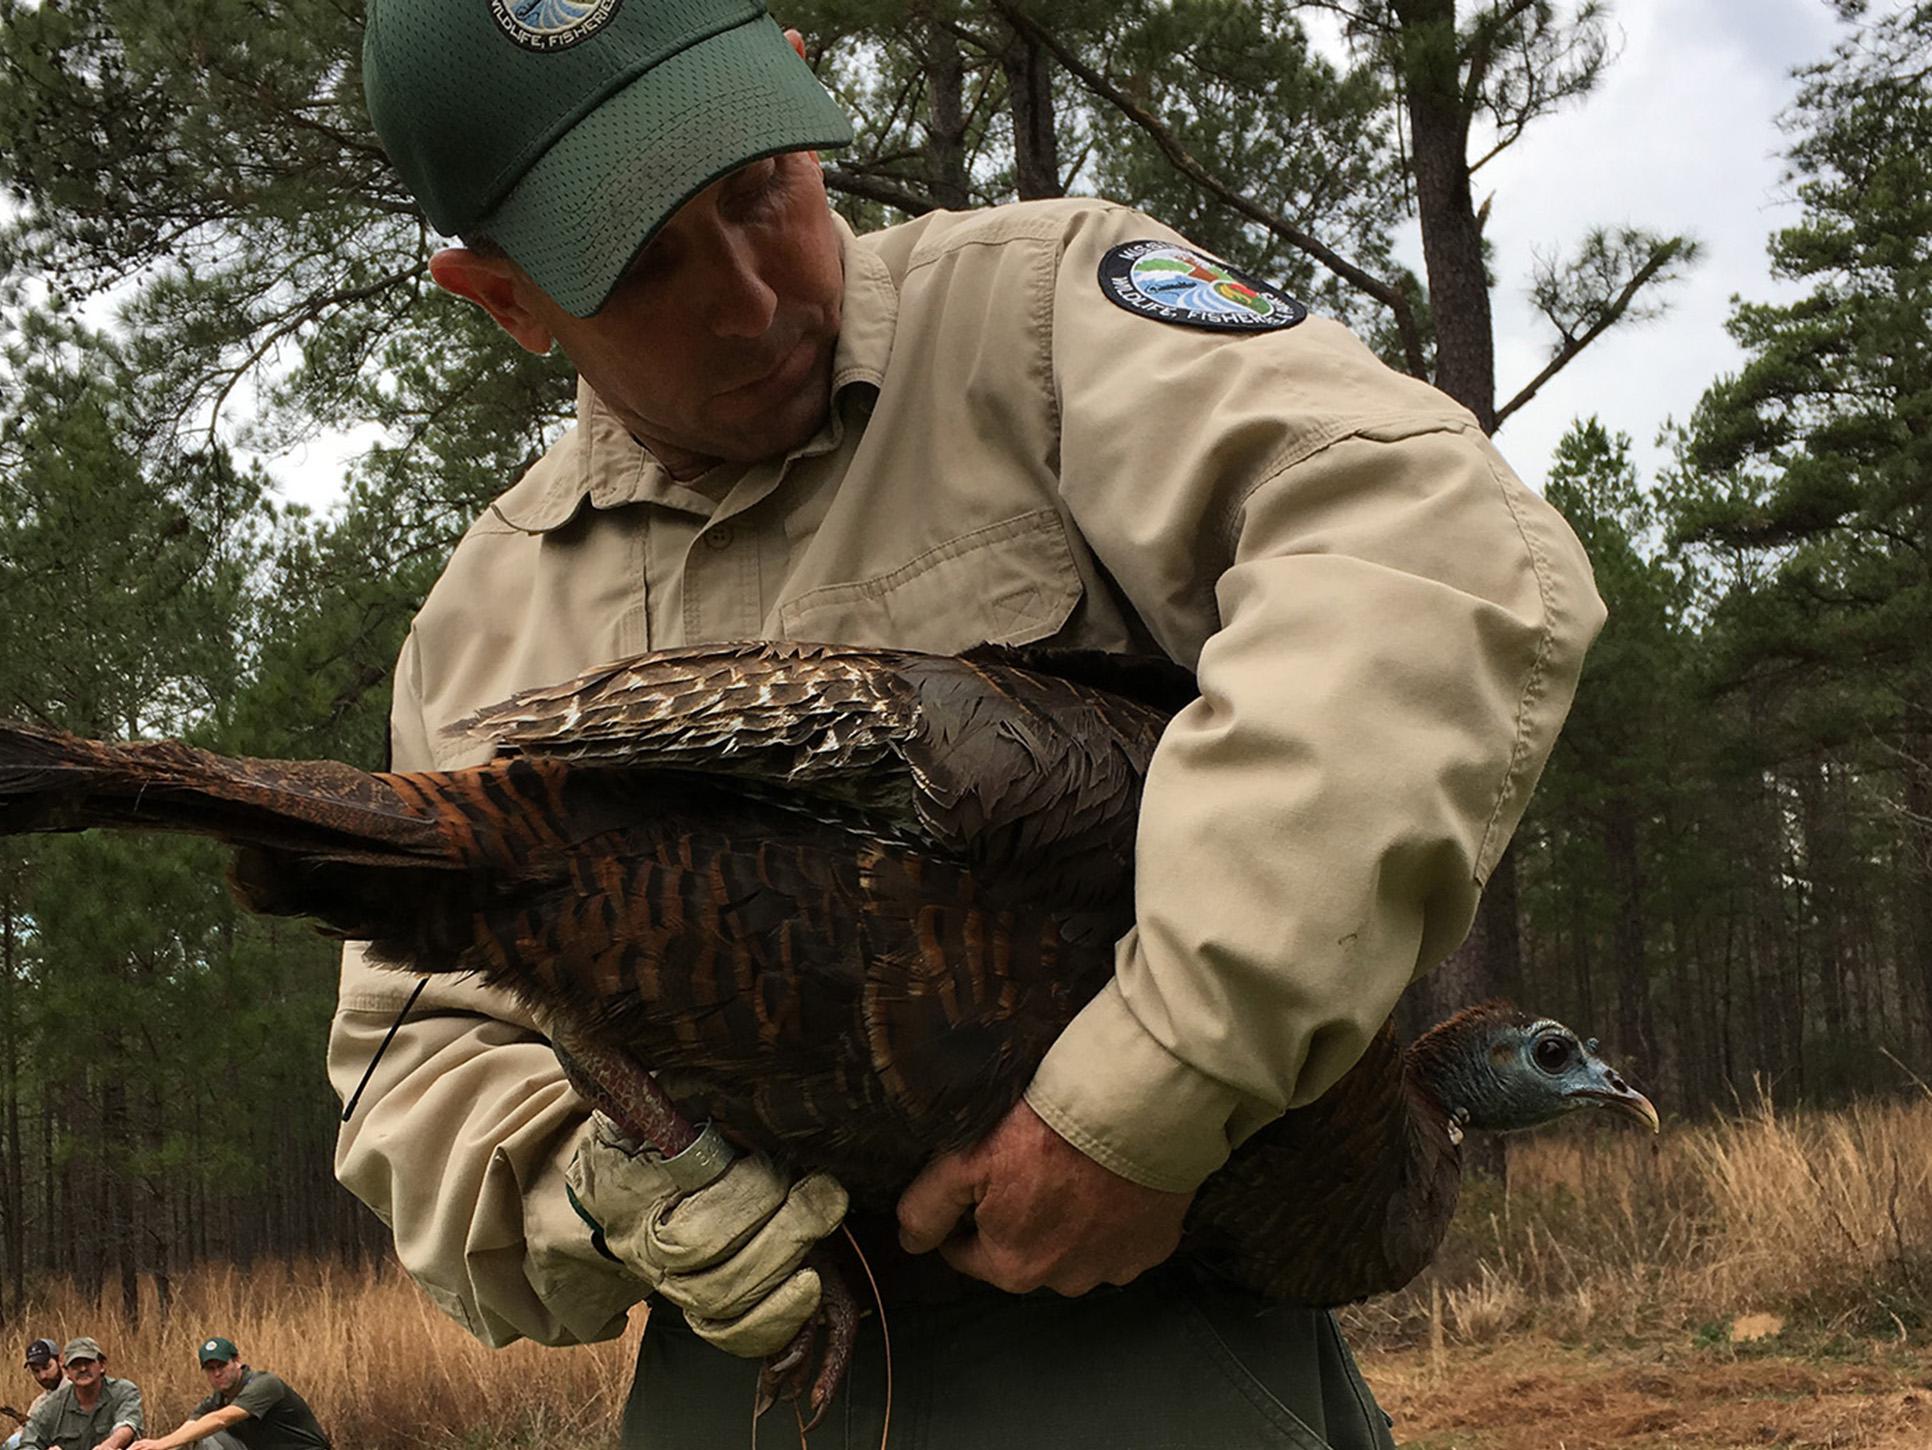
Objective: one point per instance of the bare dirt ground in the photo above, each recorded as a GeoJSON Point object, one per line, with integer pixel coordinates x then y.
{"type": "Point", "coordinates": [1843, 1395]}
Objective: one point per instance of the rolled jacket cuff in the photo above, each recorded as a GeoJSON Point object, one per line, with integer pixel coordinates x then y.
{"type": "Point", "coordinates": [1115, 1093]}
{"type": "Point", "coordinates": [588, 1291]}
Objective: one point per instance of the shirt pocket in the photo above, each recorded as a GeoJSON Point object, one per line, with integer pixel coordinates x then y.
{"type": "Point", "coordinates": [1012, 582]}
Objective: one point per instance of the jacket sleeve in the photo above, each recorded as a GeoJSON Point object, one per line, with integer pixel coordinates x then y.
{"type": "Point", "coordinates": [461, 1133]}
{"type": "Point", "coordinates": [128, 1412]}
{"type": "Point", "coordinates": [1387, 628]}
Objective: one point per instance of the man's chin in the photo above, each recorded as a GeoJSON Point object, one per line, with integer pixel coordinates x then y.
{"type": "Point", "coordinates": [771, 432]}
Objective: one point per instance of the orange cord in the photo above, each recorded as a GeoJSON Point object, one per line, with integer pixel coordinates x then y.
{"type": "Point", "coordinates": [885, 1344]}
{"type": "Point", "coordinates": [885, 1334]}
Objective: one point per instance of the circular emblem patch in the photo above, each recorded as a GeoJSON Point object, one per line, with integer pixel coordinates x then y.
{"type": "Point", "coordinates": [543, 25]}
{"type": "Point", "coordinates": [1179, 284]}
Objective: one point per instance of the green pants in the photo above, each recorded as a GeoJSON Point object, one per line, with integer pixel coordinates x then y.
{"type": "Point", "coordinates": [1166, 1363]}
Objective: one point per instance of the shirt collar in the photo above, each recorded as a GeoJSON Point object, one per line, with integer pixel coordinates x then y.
{"type": "Point", "coordinates": [610, 468]}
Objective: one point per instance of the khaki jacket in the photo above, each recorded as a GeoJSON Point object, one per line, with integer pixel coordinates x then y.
{"type": "Point", "coordinates": [1387, 627]}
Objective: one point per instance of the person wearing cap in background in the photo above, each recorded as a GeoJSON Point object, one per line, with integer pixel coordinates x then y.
{"type": "Point", "coordinates": [246, 1409]}
{"type": "Point", "coordinates": [92, 1411]}
{"type": "Point", "coordinates": [43, 1363]}
{"type": "Point", "coordinates": [1053, 421]}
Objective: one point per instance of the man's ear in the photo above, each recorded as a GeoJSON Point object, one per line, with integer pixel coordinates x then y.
{"type": "Point", "coordinates": [496, 285]}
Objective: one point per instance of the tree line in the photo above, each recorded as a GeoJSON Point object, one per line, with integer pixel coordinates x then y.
{"type": "Point", "coordinates": [204, 261]}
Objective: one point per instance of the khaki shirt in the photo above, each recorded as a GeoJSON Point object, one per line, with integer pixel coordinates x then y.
{"type": "Point", "coordinates": [57, 1422]}
{"type": "Point", "coordinates": [1387, 627]}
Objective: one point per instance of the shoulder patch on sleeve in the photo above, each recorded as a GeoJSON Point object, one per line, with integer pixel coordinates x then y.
{"type": "Point", "coordinates": [1173, 283]}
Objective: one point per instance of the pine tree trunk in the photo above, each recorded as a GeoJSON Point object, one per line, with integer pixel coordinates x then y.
{"type": "Point", "coordinates": [1916, 928]}
{"type": "Point", "coordinates": [62, 1238]}
{"type": "Point", "coordinates": [946, 119]}
{"type": "Point", "coordinates": [1029, 89]}
{"type": "Point", "coordinates": [1452, 247]}
{"type": "Point", "coordinates": [1465, 368]}
{"type": "Point", "coordinates": [13, 1192]}
{"type": "Point", "coordinates": [118, 1246]}
{"type": "Point", "coordinates": [155, 1241]}
{"type": "Point", "coordinates": [1628, 955]}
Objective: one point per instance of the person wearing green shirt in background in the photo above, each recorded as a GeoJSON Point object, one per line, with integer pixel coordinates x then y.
{"type": "Point", "coordinates": [246, 1409]}
{"type": "Point", "coordinates": [92, 1411]}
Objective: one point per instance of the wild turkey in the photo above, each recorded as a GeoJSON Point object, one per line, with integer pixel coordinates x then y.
{"type": "Point", "coordinates": [844, 899]}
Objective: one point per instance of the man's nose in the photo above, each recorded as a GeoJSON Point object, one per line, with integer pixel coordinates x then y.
{"type": "Point", "coordinates": [737, 300]}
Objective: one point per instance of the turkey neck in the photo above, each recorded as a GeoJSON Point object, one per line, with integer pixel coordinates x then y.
{"type": "Point", "coordinates": [1452, 1067]}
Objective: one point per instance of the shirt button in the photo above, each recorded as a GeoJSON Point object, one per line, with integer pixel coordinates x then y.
{"type": "Point", "coordinates": [719, 538]}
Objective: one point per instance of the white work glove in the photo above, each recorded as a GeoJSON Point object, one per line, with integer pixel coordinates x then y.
{"type": "Point", "coordinates": [728, 1253]}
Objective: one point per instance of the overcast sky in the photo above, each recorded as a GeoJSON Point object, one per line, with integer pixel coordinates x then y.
{"type": "Point", "coordinates": [1680, 137]}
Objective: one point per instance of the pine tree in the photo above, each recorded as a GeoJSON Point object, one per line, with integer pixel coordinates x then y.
{"type": "Point", "coordinates": [1813, 461]}
{"type": "Point", "coordinates": [1607, 813]}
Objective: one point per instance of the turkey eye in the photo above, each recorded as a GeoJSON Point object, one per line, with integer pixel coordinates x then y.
{"type": "Point", "coordinates": [1552, 1054]}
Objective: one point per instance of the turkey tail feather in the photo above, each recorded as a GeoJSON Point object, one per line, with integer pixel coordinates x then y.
{"type": "Point", "coordinates": [52, 781]}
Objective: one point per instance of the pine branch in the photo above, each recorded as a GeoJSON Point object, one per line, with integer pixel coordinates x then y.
{"type": "Point", "coordinates": [292, 321]}
{"type": "Point", "coordinates": [873, 188]}
{"type": "Point", "coordinates": [1163, 137]}
{"type": "Point", "coordinates": [1665, 253]}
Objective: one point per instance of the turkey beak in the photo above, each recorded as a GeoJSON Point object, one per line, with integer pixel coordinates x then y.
{"type": "Point", "coordinates": [1609, 1090]}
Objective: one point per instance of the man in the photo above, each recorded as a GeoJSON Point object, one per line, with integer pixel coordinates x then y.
{"type": "Point", "coordinates": [43, 1363]}
{"type": "Point", "coordinates": [1049, 422]}
{"type": "Point", "coordinates": [92, 1411]}
{"type": "Point", "coordinates": [246, 1409]}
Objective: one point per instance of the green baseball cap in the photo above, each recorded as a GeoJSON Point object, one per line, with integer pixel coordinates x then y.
{"type": "Point", "coordinates": [217, 1350]}
{"type": "Point", "coordinates": [569, 131]}
{"type": "Point", "coordinates": [82, 1347]}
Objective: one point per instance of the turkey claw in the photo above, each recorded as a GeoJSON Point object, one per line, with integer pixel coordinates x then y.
{"type": "Point", "coordinates": [789, 1373]}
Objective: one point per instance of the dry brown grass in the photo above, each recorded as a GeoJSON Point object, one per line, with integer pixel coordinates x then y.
{"type": "Point", "coordinates": [1534, 1395]}
{"type": "Point", "coordinates": [1825, 1218]}
{"type": "Point", "coordinates": [381, 1366]}
{"type": "Point", "coordinates": [1761, 1281]}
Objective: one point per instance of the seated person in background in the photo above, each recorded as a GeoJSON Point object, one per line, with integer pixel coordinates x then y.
{"type": "Point", "coordinates": [246, 1409]}
{"type": "Point", "coordinates": [92, 1411]}
{"type": "Point", "coordinates": [43, 1363]}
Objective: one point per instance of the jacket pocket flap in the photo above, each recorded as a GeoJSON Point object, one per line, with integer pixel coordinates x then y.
{"type": "Point", "coordinates": [1012, 582]}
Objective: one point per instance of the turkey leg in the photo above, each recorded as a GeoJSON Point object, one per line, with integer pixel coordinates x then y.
{"type": "Point", "coordinates": [629, 1096]}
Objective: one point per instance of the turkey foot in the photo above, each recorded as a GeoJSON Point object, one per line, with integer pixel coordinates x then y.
{"type": "Point", "coordinates": [627, 1094]}
{"type": "Point", "coordinates": [789, 1374]}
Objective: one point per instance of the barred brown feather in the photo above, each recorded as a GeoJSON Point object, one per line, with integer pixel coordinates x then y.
{"type": "Point", "coordinates": [843, 900]}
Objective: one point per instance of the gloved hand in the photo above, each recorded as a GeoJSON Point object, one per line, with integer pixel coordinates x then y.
{"type": "Point", "coordinates": [727, 1253]}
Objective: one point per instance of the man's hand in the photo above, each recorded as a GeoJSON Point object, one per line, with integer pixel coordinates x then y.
{"type": "Point", "coordinates": [1045, 1214]}
{"type": "Point", "coordinates": [730, 1254]}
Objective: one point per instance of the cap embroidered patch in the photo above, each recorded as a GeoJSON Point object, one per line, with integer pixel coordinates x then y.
{"type": "Point", "coordinates": [1179, 284]}
{"type": "Point", "coordinates": [542, 25]}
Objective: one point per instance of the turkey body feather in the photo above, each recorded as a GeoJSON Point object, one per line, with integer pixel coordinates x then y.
{"type": "Point", "coordinates": [843, 900]}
